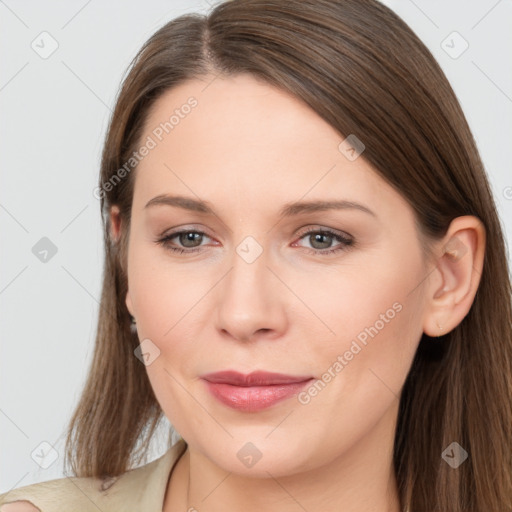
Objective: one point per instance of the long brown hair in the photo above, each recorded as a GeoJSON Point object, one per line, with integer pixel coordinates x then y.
{"type": "Point", "coordinates": [364, 71]}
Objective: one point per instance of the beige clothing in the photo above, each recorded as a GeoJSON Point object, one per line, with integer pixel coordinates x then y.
{"type": "Point", "coordinates": [139, 489]}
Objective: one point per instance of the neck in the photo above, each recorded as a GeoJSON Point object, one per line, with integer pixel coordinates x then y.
{"type": "Point", "coordinates": [361, 479]}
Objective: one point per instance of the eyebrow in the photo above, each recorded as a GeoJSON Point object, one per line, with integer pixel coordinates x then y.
{"type": "Point", "coordinates": [288, 210]}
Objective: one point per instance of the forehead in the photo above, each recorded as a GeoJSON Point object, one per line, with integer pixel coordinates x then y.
{"type": "Point", "coordinates": [240, 110]}
{"type": "Point", "coordinates": [248, 140]}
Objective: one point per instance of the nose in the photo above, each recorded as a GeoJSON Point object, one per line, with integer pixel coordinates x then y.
{"type": "Point", "coordinates": [251, 301]}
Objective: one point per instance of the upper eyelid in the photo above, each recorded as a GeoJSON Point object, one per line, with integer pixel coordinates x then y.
{"type": "Point", "coordinates": [322, 229]}
{"type": "Point", "coordinates": [302, 231]}
{"type": "Point", "coordinates": [179, 231]}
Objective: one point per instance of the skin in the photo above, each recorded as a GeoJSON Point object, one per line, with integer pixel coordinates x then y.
{"type": "Point", "coordinates": [247, 149]}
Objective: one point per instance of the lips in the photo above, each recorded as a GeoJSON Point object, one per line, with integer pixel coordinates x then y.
{"type": "Point", "coordinates": [259, 378]}
{"type": "Point", "coordinates": [253, 392]}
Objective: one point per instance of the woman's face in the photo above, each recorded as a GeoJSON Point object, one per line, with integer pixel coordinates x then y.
{"type": "Point", "coordinates": [255, 290]}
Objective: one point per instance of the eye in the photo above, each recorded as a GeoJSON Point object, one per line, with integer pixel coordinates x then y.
{"type": "Point", "coordinates": [321, 241]}
{"type": "Point", "coordinates": [190, 240]}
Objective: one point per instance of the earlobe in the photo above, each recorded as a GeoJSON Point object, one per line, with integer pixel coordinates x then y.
{"type": "Point", "coordinates": [458, 271]}
{"type": "Point", "coordinates": [128, 302]}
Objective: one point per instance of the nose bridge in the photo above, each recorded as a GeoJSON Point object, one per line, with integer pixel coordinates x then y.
{"type": "Point", "coordinates": [249, 276]}
{"type": "Point", "coordinates": [249, 299]}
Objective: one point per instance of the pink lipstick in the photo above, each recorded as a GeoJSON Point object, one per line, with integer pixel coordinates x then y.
{"type": "Point", "coordinates": [255, 391]}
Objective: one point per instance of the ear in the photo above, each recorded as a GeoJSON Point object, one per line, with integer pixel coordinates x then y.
{"type": "Point", "coordinates": [115, 223]}
{"type": "Point", "coordinates": [115, 233]}
{"type": "Point", "coordinates": [454, 282]}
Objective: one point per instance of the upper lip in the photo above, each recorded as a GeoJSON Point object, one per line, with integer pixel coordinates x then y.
{"type": "Point", "coordinates": [258, 378]}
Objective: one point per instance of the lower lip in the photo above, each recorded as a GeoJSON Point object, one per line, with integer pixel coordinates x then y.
{"type": "Point", "coordinates": [254, 398]}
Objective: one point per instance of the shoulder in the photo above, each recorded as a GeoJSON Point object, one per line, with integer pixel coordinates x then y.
{"type": "Point", "coordinates": [52, 494]}
{"type": "Point", "coordinates": [20, 506]}
{"type": "Point", "coordinates": [141, 488]}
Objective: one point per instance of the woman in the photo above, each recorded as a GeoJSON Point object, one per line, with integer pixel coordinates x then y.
{"type": "Point", "coordinates": [305, 274]}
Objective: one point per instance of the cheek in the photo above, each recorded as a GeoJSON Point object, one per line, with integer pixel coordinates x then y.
{"type": "Point", "coordinates": [362, 302]}
{"type": "Point", "coordinates": [164, 293]}
{"type": "Point", "coordinates": [376, 319]}
{"type": "Point", "coordinates": [367, 363]}
{"type": "Point", "coordinates": [166, 300]}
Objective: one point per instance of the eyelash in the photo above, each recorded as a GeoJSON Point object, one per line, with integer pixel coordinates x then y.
{"type": "Point", "coordinates": [346, 242]}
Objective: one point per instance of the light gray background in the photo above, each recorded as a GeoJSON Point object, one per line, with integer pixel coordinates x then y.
{"type": "Point", "coordinates": [54, 113]}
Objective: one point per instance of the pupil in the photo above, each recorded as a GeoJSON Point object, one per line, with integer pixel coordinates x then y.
{"type": "Point", "coordinates": [318, 238]}
{"type": "Point", "coordinates": [188, 239]}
